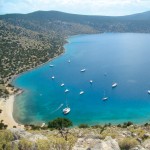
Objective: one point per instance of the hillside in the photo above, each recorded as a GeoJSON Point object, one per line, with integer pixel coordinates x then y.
{"type": "Point", "coordinates": [28, 40]}
{"type": "Point", "coordinates": [132, 137]}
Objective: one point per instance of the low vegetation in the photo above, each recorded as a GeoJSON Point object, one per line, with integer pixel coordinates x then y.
{"type": "Point", "coordinates": [59, 136]}
{"type": "Point", "coordinates": [83, 126]}
{"type": "Point", "coordinates": [128, 143]}
{"type": "Point", "coordinates": [61, 124]}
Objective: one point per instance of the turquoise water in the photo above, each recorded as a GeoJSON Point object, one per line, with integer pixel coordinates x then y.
{"type": "Point", "coordinates": [123, 58]}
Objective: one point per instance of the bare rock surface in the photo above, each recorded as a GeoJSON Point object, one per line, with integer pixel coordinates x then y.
{"type": "Point", "coordinates": [96, 144]}
{"type": "Point", "coordinates": [20, 133]}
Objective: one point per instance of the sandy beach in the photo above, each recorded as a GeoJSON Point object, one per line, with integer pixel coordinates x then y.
{"type": "Point", "coordinates": [7, 110]}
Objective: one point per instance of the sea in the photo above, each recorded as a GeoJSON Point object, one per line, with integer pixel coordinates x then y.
{"type": "Point", "coordinates": [122, 58]}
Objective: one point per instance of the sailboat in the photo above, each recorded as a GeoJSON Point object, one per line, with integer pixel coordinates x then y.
{"type": "Point", "coordinates": [91, 81]}
{"type": "Point", "coordinates": [53, 77]}
{"type": "Point", "coordinates": [62, 84]}
{"type": "Point", "coordinates": [105, 97]}
{"type": "Point", "coordinates": [67, 109]}
{"type": "Point", "coordinates": [83, 70]}
{"type": "Point", "coordinates": [114, 85]}
{"type": "Point", "coordinates": [66, 91]}
{"type": "Point", "coordinates": [81, 92]}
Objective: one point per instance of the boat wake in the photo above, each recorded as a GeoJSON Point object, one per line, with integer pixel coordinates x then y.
{"type": "Point", "coordinates": [57, 108]}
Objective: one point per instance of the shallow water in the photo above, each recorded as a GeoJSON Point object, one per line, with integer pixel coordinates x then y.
{"type": "Point", "coordinates": [122, 58]}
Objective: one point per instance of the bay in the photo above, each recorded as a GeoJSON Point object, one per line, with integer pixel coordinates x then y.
{"type": "Point", "coordinates": [107, 58]}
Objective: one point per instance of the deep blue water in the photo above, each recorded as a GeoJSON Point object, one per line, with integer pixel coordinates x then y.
{"type": "Point", "coordinates": [124, 58]}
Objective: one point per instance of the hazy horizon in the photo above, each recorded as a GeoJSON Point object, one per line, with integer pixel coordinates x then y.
{"type": "Point", "coordinates": [88, 7]}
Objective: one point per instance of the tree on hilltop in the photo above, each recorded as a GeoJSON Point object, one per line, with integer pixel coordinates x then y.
{"type": "Point", "coordinates": [61, 124]}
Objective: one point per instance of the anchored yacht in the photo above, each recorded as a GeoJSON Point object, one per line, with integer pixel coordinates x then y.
{"type": "Point", "coordinates": [82, 92]}
{"type": "Point", "coordinates": [83, 70]}
{"type": "Point", "coordinates": [114, 85]}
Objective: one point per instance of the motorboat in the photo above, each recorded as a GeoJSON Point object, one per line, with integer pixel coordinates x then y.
{"type": "Point", "coordinates": [148, 91]}
{"type": "Point", "coordinates": [62, 84]}
{"type": "Point", "coordinates": [114, 85]}
{"type": "Point", "coordinates": [66, 91]}
{"type": "Point", "coordinates": [82, 92]}
{"type": "Point", "coordinates": [83, 70]}
{"type": "Point", "coordinates": [66, 110]}
{"type": "Point", "coordinates": [69, 61]}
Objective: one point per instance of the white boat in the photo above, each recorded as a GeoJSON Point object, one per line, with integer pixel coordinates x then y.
{"type": "Point", "coordinates": [148, 91]}
{"type": "Point", "coordinates": [105, 98]}
{"type": "Point", "coordinates": [43, 124]}
{"type": "Point", "coordinates": [66, 110]}
{"type": "Point", "coordinates": [69, 61]}
{"type": "Point", "coordinates": [114, 85]}
{"type": "Point", "coordinates": [51, 65]}
{"type": "Point", "coordinates": [91, 81]}
{"type": "Point", "coordinates": [53, 77]}
{"type": "Point", "coordinates": [82, 92]}
{"type": "Point", "coordinates": [66, 91]}
{"type": "Point", "coordinates": [83, 70]}
{"type": "Point", "coordinates": [62, 84]}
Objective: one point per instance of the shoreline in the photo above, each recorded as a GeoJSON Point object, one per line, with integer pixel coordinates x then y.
{"type": "Point", "coordinates": [20, 90]}
{"type": "Point", "coordinates": [6, 105]}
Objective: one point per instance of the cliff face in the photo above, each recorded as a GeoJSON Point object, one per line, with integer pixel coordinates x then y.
{"type": "Point", "coordinates": [109, 138]}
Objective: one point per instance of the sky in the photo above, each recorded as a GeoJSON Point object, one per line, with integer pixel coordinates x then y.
{"type": "Point", "coordinates": [87, 7]}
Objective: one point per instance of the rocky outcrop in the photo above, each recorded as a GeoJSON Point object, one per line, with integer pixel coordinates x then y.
{"type": "Point", "coordinates": [133, 138]}
{"type": "Point", "coordinates": [139, 147]}
{"type": "Point", "coordinates": [88, 143]}
{"type": "Point", "coordinates": [146, 144]}
{"type": "Point", "coordinates": [20, 133]}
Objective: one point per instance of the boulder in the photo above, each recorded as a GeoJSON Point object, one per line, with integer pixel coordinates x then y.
{"type": "Point", "coordinates": [146, 135]}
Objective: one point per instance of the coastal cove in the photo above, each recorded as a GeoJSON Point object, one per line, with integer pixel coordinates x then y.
{"type": "Point", "coordinates": [108, 58]}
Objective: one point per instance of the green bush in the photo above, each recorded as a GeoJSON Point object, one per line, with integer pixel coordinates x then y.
{"type": "Point", "coordinates": [126, 124]}
{"type": "Point", "coordinates": [119, 125]}
{"type": "Point", "coordinates": [146, 124]}
{"type": "Point", "coordinates": [25, 145]}
{"type": "Point", "coordinates": [60, 123]}
{"type": "Point", "coordinates": [83, 126]}
{"type": "Point", "coordinates": [43, 145]}
{"type": "Point", "coordinates": [128, 143]}
{"type": "Point", "coordinates": [5, 139]}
